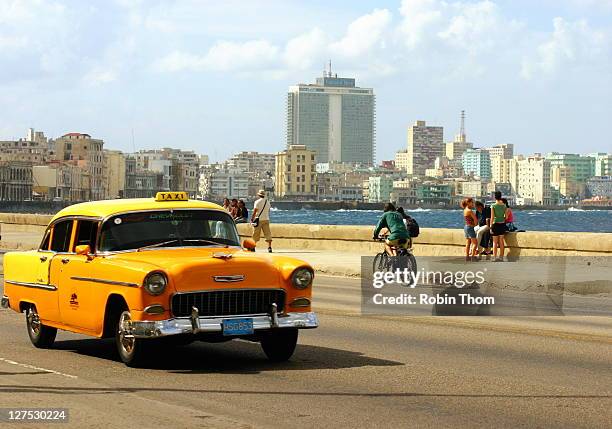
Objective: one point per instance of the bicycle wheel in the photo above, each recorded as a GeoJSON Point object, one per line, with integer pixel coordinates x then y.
{"type": "Point", "coordinates": [380, 262]}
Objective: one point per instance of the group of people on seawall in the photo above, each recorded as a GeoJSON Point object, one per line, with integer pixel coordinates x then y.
{"type": "Point", "coordinates": [486, 226]}
{"type": "Point", "coordinates": [260, 216]}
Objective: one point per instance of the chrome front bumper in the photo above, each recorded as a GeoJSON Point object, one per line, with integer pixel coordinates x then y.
{"type": "Point", "coordinates": [196, 324]}
{"type": "Point", "coordinates": [4, 303]}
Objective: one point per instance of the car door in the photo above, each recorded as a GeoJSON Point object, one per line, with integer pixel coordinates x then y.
{"type": "Point", "coordinates": [68, 300]}
{"type": "Point", "coordinates": [43, 271]}
{"type": "Point", "coordinates": [83, 295]}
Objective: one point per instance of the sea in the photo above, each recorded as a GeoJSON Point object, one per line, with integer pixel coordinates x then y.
{"type": "Point", "coordinates": [570, 220]}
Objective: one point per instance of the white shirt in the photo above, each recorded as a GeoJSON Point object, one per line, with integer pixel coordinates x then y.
{"type": "Point", "coordinates": [263, 213]}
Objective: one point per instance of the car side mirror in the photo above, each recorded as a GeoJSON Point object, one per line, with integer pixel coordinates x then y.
{"type": "Point", "coordinates": [83, 249]}
{"type": "Point", "coordinates": [249, 244]}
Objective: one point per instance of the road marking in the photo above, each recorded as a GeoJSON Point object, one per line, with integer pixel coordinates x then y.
{"type": "Point", "coordinates": [25, 365]}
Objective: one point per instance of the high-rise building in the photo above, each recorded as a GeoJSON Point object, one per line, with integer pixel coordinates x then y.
{"type": "Point", "coordinates": [295, 173]}
{"type": "Point", "coordinates": [477, 162]}
{"type": "Point", "coordinates": [425, 144]}
{"type": "Point", "coordinates": [334, 118]}
{"type": "Point", "coordinates": [534, 180]}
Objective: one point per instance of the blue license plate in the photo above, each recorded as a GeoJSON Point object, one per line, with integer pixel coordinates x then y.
{"type": "Point", "coordinates": [238, 326]}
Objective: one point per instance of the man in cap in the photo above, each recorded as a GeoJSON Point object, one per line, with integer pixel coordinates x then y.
{"type": "Point", "coordinates": [260, 219]}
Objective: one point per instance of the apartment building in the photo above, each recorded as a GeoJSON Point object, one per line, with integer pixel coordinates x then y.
{"type": "Point", "coordinates": [534, 180]}
{"type": "Point", "coordinates": [81, 150]}
{"type": "Point", "coordinates": [425, 144]}
{"type": "Point", "coordinates": [295, 173]}
{"type": "Point", "coordinates": [477, 163]}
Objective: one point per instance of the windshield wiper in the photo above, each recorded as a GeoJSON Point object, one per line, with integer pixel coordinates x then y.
{"type": "Point", "coordinates": [201, 240]}
{"type": "Point", "coordinates": [163, 243]}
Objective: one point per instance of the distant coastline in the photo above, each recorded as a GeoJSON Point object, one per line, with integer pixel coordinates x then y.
{"type": "Point", "coordinates": [51, 207]}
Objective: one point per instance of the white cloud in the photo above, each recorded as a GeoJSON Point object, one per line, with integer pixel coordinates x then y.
{"type": "Point", "coordinates": [302, 51]}
{"type": "Point", "coordinates": [570, 44]}
{"type": "Point", "coordinates": [478, 27]}
{"type": "Point", "coordinates": [223, 56]}
{"type": "Point", "coordinates": [419, 16]}
{"type": "Point", "coordinates": [363, 34]}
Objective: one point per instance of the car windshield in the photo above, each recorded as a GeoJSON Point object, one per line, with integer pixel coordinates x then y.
{"type": "Point", "coordinates": [168, 228]}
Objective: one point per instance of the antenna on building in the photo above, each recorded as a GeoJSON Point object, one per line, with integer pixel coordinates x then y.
{"type": "Point", "coordinates": [133, 144]}
{"type": "Point", "coordinates": [330, 69]}
{"type": "Point", "coordinates": [462, 129]}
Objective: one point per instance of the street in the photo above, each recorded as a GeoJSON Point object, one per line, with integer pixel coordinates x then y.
{"type": "Point", "coordinates": [353, 371]}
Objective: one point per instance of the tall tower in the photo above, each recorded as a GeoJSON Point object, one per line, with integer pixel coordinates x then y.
{"type": "Point", "coordinates": [462, 136]}
{"type": "Point", "coordinates": [334, 118]}
{"type": "Point", "coordinates": [456, 148]}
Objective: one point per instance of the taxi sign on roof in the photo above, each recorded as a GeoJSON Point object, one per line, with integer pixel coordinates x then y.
{"type": "Point", "coordinates": [171, 196]}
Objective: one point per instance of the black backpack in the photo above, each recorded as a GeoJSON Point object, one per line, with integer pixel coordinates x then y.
{"type": "Point", "coordinates": [412, 226]}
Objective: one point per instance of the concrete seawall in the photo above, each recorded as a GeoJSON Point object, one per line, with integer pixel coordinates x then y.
{"type": "Point", "coordinates": [433, 241]}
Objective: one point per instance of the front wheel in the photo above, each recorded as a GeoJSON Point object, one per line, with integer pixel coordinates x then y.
{"type": "Point", "coordinates": [42, 336]}
{"type": "Point", "coordinates": [131, 350]}
{"type": "Point", "coordinates": [279, 345]}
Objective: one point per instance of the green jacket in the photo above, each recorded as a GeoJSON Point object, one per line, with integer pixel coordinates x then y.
{"type": "Point", "coordinates": [394, 222]}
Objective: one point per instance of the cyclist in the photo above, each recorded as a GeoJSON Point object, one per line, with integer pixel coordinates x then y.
{"type": "Point", "coordinates": [398, 234]}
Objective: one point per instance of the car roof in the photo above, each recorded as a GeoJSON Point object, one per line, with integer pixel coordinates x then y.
{"type": "Point", "coordinates": [105, 208]}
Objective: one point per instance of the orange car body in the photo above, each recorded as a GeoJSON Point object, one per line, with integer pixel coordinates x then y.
{"type": "Point", "coordinates": [71, 289]}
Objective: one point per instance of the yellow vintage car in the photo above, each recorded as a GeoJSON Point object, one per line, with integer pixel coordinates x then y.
{"type": "Point", "coordinates": [142, 269]}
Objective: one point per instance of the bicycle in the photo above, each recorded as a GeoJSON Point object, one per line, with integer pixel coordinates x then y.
{"type": "Point", "coordinates": [403, 259]}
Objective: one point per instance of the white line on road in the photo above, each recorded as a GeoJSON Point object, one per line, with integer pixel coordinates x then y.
{"type": "Point", "coordinates": [25, 365]}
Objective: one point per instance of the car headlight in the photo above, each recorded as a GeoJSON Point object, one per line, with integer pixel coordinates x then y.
{"type": "Point", "coordinates": [155, 283]}
{"type": "Point", "coordinates": [301, 278]}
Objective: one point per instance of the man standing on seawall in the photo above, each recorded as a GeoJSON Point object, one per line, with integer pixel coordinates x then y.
{"type": "Point", "coordinates": [260, 219]}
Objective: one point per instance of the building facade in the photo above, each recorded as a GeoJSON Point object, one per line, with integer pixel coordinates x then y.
{"type": "Point", "coordinates": [506, 151]}
{"type": "Point", "coordinates": [334, 118]}
{"type": "Point", "coordinates": [534, 180]}
{"type": "Point", "coordinates": [15, 181]}
{"type": "Point", "coordinates": [81, 150]}
{"type": "Point", "coordinates": [425, 144]}
{"type": "Point", "coordinates": [295, 173]}
{"type": "Point", "coordinates": [477, 163]}
{"type": "Point", "coordinates": [600, 186]}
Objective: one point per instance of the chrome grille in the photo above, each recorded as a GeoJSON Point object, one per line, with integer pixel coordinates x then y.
{"type": "Point", "coordinates": [228, 302]}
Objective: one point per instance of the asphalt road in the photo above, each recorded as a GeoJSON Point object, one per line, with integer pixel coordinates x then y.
{"type": "Point", "coordinates": [354, 371]}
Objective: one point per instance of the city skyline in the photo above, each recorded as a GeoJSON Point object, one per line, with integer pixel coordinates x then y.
{"type": "Point", "coordinates": [147, 67]}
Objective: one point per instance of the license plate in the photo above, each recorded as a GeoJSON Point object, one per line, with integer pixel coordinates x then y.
{"type": "Point", "coordinates": [237, 326]}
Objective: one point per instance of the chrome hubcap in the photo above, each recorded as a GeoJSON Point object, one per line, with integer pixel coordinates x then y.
{"type": "Point", "coordinates": [33, 321]}
{"type": "Point", "coordinates": [126, 339]}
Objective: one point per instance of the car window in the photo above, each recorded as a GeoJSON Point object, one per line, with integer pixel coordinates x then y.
{"type": "Point", "coordinates": [86, 233]}
{"type": "Point", "coordinates": [45, 243]}
{"type": "Point", "coordinates": [61, 236]}
{"type": "Point", "coordinates": [176, 227]}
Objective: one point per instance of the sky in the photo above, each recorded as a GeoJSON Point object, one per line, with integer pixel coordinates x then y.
{"type": "Point", "coordinates": [212, 76]}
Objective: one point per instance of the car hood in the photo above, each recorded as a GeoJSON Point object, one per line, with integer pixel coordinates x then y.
{"type": "Point", "coordinates": [206, 268]}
